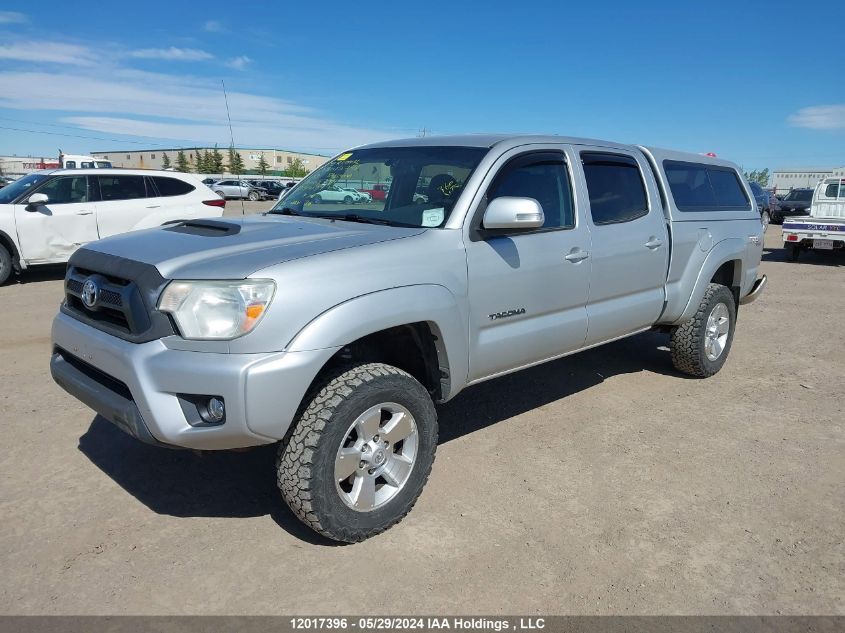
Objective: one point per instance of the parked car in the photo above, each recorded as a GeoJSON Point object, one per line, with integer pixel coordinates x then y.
{"type": "Point", "coordinates": [377, 192]}
{"type": "Point", "coordinates": [796, 203]}
{"type": "Point", "coordinates": [47, 215]}
{"type": "Point", "coordinates": [5, 181]}
{"type": "Point", "coordinates": [763, 199]}
{"type": "Point", "coordinates": [359, 196]}
{"type": "Point", "coordinates": [272, 187]}
{"type": "Point", "coordinates": [242, 189]}
{"type": "Point", "coordinates": [335, 193]}
{"type": "Point", "coordinates": [333, 332]}
{"type": "Point", "coordinates": [824, 229]}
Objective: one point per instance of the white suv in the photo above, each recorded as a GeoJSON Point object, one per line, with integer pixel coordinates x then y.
{"type": "Point", "coordinates": [47, 215]}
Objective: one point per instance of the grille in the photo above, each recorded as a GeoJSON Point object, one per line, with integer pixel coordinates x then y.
{"type": "Point", "coordinates": [125, 305]}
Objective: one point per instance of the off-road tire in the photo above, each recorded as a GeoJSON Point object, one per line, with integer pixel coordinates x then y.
{"type": "Point", "coordinates": [5, 264]}
{"type": "Point", "coordinates": [792, 252]}
{"type": "Point", "coordinates": [305, 462]}
{"type": "Point", "coordinates": [687, 340]}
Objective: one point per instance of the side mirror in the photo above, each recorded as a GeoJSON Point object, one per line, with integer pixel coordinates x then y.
{"type": "Point", "coordinates": [37, 200]}
{"type": "Point", "coordinates": [513, 213]}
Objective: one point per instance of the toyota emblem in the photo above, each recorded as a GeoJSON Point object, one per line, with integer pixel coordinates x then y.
{"type": "Point", "coordinates": [90, 293]}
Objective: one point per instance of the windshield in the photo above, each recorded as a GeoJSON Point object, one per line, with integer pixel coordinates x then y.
{"type": "Point", "coordinates": [12, 192]}
{"type": "Point", "coordinates": [800, 196]}
{"type": "Point", "coordinates": [408, 186]}
{"type": "Point", "coordinates": [103, 164]}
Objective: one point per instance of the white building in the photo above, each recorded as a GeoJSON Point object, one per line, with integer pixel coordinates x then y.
{"type": "Point", "coordinates": [783, 180]}
{"type": "Point", "coordinates": [16, 166]}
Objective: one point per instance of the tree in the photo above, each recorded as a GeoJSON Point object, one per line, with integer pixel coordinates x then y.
{"type": "Point", "coordinates": [760, 177]}
{"type": "Point", "coordinates": [165, 161]}
{"type": "Point", "coordinates": [182, 162]}
{"type": "Point", "coordinates": [216, 161]}
{"type": "Point", "coordinates": [263, 165]}
{"type": "Point", "coordinates": [236, 163]}
{"type": "Point", "coordinates": [296, 168]}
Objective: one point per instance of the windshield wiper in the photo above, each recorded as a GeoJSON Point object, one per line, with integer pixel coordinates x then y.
{"type": "Point", "coordinates": [354, 217]}
{"type": "Point", "coordinates": [285, 211]}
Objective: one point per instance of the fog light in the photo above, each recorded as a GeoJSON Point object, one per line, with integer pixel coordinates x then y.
{"type": "Point", "coordinates": [216, 410]}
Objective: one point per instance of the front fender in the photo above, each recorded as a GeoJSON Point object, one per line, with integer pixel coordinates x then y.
{"type": "Point", "coordinates": [370, 313]}
{"type": "Point", "coordinates": [727, 250]}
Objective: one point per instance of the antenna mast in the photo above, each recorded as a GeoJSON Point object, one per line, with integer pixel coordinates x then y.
{"type": "Point", "coordinates": [232, 138]}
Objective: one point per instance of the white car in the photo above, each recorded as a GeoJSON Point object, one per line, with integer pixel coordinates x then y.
{"type": "Point", "coordinates": [336, 193]}
{"type": "Point", "coordinates": [362, 196]}
{"type": "Point", "coordinates": [47, 215]}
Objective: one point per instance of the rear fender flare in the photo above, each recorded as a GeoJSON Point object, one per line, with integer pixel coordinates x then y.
{"type": "Point", "coordinates": [724, 251]}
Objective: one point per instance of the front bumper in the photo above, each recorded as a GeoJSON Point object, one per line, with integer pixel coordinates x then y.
{"type": "Point", "coordinates": [138, 386]}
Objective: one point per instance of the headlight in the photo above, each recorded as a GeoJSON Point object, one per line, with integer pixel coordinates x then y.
{"type": "Point", "coordinates": [217, 309]}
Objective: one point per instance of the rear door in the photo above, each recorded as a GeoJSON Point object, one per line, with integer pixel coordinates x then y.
{"type": "Point", "coordinates": [173, 200]}
{"type": "Point", "coordinates": [528, 289]}
{"type": "Point", "coordinates": [51, 232]}
{"type": "Point", "coordinates": [630, 246]}
{"type": "Point", "coordinates": [123, 203]}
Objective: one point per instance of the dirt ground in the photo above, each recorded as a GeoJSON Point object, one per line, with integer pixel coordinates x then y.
{"type": "Point", "coordinates": [604, 483]}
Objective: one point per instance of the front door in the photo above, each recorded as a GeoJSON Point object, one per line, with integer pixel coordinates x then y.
{"type": "Point", "coordinates": [630, 249]}
{"type": "Point", "coordinates": [528, 289]}
{"type": "Point", "coordinates": [51, 232]}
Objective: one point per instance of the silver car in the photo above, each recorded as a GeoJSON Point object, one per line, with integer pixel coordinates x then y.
{"type": "Point", "coordinates": [333, 328]}
{"type": "Point", "coordinates": [238, 189]}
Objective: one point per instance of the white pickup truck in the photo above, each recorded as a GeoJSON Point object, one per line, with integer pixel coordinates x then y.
{"type": "Point", "coordinates": [824, 228]}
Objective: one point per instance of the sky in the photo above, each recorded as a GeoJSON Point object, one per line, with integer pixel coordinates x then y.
{"type": "Point", "coordinates": [759, 83]}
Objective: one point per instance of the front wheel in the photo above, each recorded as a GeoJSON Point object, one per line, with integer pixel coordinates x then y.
{"type": "Point", "coordinates": [701, 345]}
{"type": "Point", "coordinates": [347, 200]}
{"type": "Point", "coordinates": [221, 194]}
{"type": "Point", "coordinates": [5, 264]}
{"type": "Point", "coordinates": [360, 453]}
{"type": "Point", "coordinates": [254, 196]}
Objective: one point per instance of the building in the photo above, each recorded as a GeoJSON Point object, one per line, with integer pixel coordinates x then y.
{"type": "Point", "coordinates": [277, 159]}
{"type": "Point", "coordinates": [783, 180]}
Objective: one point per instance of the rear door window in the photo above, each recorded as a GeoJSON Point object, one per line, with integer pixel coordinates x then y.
{"type": "Point", "coordinates": [122, 187]}
{"type": "Point", "coordinates": [616, 188]}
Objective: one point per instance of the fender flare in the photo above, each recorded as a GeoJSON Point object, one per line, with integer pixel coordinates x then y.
{"type": "Point", "coordinates": [7, 241]}
{"type": "Point", "coordinates": [730, 249]}
{"type": "Point", "coordinates": [428, 303]}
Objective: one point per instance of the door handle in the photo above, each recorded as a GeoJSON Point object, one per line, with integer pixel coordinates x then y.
{"type": "Point", "coordinates": [155, 206]}
{"type": "Point", "coordinates": [576, 256]}
{"type": "Point", "coordinates": [654, 243]}
{"type": "Point", "coordinates": [84, 212]}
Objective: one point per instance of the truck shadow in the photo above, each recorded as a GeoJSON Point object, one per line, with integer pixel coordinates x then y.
{"type": "Point", "coordinates": [232, 484]}
{"type": "Point", "coordinates": [51, 272]}
{"type": "Point", "coordinates": [817, 258]}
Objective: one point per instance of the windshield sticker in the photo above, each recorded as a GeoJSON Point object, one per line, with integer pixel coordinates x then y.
{"type": "Point", "coordinates": [344, 156]}
{"type": "Point", "coordinates": [433, 217]}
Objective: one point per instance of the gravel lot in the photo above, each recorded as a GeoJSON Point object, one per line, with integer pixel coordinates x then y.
{"type": "Point", "coordinates": [601, 483]}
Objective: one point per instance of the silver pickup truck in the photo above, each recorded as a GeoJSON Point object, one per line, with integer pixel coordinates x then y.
{"type": "Point", "coordinates": [332, 329]}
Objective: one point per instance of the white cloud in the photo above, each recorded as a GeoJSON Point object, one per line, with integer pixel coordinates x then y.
{"type": "Point", "coordinates": [12, 17]}
{"type": "Point", "coordinates": [239, 63]}
{"type": "Point", "coordinates": [213, 26]}
{"type": "Point", "coordinates": [172, 53]}
{"type": "Point", "coordinates": [179, 108]}
{"type": "Point", "coordinates": [830, 117]}
{"type": "Point", "coordinates": [49, 52]}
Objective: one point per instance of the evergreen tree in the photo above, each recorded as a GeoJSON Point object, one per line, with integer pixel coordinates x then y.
{"type": "Point", "coordinates": [263, 165]}
{"type": "Point", "coordinates": [216, 161]}
{"type": "Point", "coordinates": [165, 161]}
{"type": "Point", "coordinates": [182, 162]}
{"type": "Point", "coordinates": [236, 163]}
{"type": "Point", "coordinates": [296, 168]}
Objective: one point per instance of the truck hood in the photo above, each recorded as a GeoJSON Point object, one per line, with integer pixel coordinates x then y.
{"type": "Point", "coordinates": [230, 248]}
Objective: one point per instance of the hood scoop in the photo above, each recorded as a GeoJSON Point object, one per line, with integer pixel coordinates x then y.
{"type": "Point", "coordinates": [205, 228]}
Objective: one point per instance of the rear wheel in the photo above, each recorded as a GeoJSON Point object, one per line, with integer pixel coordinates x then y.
{"type": "Point", "coordinates": [347, 200]}
{"type": "Point", "coordinates": [221, 194]}
{"type": "Point", "coordinates": [317, 199]}
{"type": "Point", "coordinates": [360, 453]}
{"type": "Point", "coordinates": [5, 264]}
{"type": "Point", "coordinates": [766, 218]}
{"type": "Point", "coordinates": [792, 252]}
{"type": "Point", "coordinates": [701, 345]}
